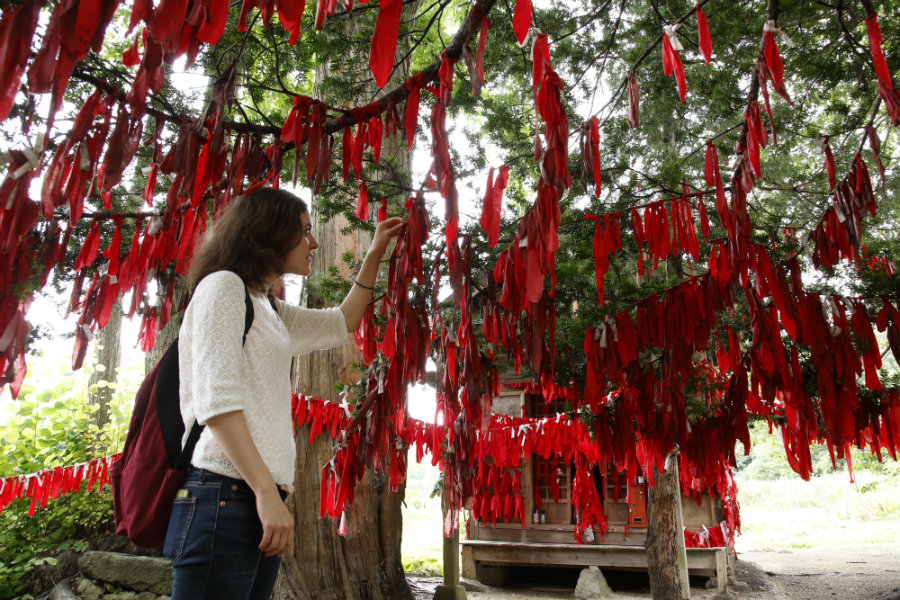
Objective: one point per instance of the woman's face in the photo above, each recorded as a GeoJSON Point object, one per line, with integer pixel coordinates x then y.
{"type": "Point", "coordinates": [299, 258]}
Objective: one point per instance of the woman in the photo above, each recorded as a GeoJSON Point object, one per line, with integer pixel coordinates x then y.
{"type": "Point", "coordinates": [229, 524]}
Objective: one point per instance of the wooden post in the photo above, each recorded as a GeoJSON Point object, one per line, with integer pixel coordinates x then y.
{"type": "Point", "coordinates": [451, 558]}
{"type": "Point", "coordinates": [721, 572]}
{"type": "Point", "coordinates": [450, 589]}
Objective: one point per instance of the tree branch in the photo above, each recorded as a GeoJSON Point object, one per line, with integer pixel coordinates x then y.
{"type": "Point", "coordinates": [437, 13]}
{"type": "Point", "coordinates": [615, 97]}
{"type": "Point", "coordinates": [466, 32]}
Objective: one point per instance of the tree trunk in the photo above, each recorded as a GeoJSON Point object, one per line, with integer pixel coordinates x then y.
{"type": "Point", "coordinates": [105, 370]}
{"type": "Point", "coordinates": [167, 334]}
{"type": "Point", "coordinates": [364, 564]}
{"type": "Point", "coordinates": [666, 557]}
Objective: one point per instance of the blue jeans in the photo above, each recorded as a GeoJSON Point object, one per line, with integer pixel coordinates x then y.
{"type": "Point", "coordinates": [213, 540]}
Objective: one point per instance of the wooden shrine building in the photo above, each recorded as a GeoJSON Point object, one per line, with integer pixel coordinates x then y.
{"type": "Point", "coordinates": [548, 537]}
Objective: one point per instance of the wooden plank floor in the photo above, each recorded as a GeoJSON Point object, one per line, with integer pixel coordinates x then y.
{"type": "Point", "coordinates": [701, 561]}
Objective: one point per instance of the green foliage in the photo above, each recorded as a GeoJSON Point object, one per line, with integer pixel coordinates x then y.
{"type": "Point", "coordinates": [50, 425]}
{"type": "Point", "coordinates": [423, 565]}
{"type": "Point", "coordinates": [333, 287]}
{"type": "Point", "coordinates": [767, 461]}
{"type": "Point", "coordinates": [28, 542]}
{"type": "Point", "coordinates": [781, 511]}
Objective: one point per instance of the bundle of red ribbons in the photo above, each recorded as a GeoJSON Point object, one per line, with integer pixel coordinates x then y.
{"type": "Point", "coordinates": [48, 485]}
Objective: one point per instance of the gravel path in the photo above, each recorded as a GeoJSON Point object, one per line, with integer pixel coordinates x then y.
{"type": "Point", "coordinates": [850, 573]}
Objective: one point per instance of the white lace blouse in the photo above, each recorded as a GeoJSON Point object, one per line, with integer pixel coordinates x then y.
{"type": "Point", "coordinates": [218, 375]}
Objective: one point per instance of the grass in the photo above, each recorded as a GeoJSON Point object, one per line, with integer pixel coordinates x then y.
{"type": "Point", "coordinates": [422, 545]}
{"type": "Point", "coordinates": [781, 511]}
{"type": "Point", "coordinates": [791, 513]}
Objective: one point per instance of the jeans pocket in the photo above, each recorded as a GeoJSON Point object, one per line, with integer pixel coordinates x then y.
{"type": "Point", "coordinates": [179, 524]}
{"type": "Point", "coordinates": [237, 523]}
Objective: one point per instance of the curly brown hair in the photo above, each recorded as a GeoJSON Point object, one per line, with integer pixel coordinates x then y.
{"type": "Point", "coordinates": [251, 238]}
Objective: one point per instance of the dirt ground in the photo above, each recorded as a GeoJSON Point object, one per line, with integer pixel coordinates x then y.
{"type": "Point", "coordinates": [870, 572]}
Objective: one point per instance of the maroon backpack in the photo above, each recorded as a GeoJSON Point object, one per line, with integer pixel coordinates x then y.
{"type": "Point", "coordinates": [154, 465]}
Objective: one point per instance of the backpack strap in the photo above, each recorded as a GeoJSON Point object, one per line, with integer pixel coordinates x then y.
{"type": "Point", "coordinates": [197, 429]}
{"type": "Point", "coordinates": [248, 315]}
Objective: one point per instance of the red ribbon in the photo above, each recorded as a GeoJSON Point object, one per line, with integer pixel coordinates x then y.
{"type": "Point", "coordinates": [492, 204]}
{"type": "Point", "coordinates": [362, 202]}
{"type": "Point", "coordinates": [672, 64]}
{"type": "Point", "coordinates": [384, 40]}
{"type": "Point", "coordinates": [521, 20]}
{"type": "Point", "coordinates": [704, 39]}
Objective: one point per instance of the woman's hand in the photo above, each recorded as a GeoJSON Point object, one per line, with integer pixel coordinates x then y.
{"type": "Point", "coordinates": [384, 233]}
{"type": "Point", "coordinates": [354, 305]}
{"type": "Point", "coordinates": [231, 432]}
{"type": "Point", "coordinates": [277, 522]}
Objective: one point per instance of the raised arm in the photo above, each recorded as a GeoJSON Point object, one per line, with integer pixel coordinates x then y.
{"type": "Point", "coordinates": [354, 305]}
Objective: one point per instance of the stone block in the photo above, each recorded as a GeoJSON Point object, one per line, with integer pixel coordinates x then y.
{"type": "Point", "coordinates": [89, 590]}
{"type": "Point", "coordinates": [139, 573]}
{"type": "Point", "coordinates": [592, 585]}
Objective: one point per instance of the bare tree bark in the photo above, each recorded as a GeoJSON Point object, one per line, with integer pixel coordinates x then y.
{"type": "Point", "coordinates": [105, 370]}
{"type": "Point", "coordinates": [167, 334]}
{"type": "Point", "coordinates": [666, 557]}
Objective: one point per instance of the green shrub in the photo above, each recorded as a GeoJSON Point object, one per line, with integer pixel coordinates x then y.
{"type": "Point", "coordinates": [50, 425]}
{"type": "Point", "coordinates": [423, 566]}
{"type": "Point", "coordinates": [27, 542]}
